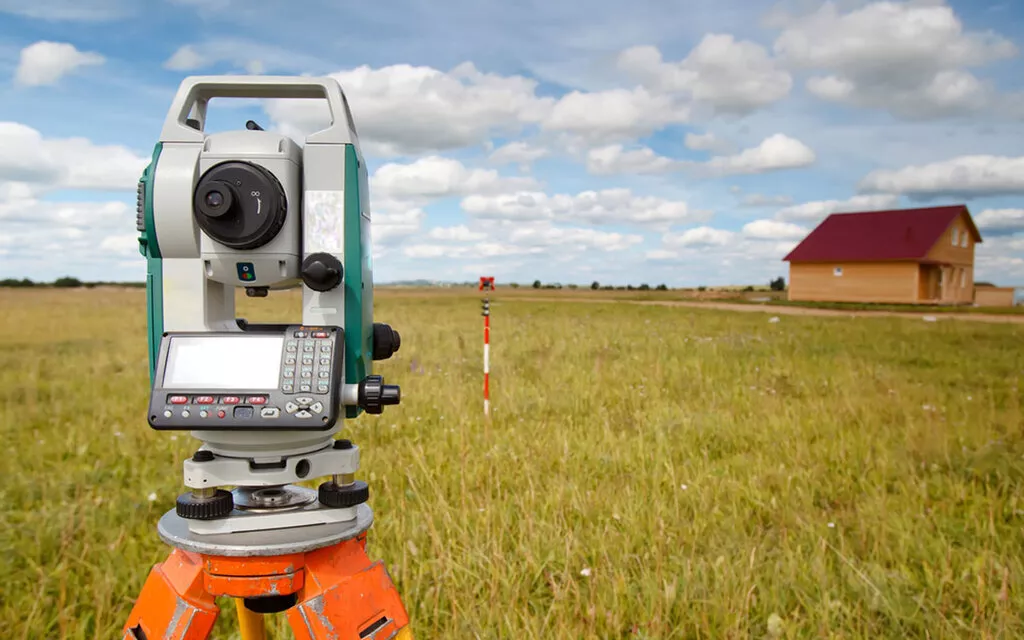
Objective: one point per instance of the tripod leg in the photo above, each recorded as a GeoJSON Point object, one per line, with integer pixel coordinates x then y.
{"type": "Point", "coordinates": [250, 624]}
{"type": "Point", "coordinates": [348, 597]}
{"type": "Point", "coordinates": [173, 604]}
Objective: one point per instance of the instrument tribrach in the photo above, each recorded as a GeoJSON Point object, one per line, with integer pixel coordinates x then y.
{"type": "Point", "coordinates": [253, 209]}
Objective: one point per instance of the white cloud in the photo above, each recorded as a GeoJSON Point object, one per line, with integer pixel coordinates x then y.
{"type": "Point", "coordinates": [518, 152]}
{"type": "Point", "coordinates": [432, 178]}
{"type": "Point", "coordinates": [815, 211]}
{"type": "Point", "coordinates": [907, 58]}
{"type": "Point", "coordinates": [1000, 221]}
{"type": "Point", "coordinates": [699, 237]}
{"type": "Point", "coordinates": [608, 206]}
{"type": "Point", "coordinates": [617, 159]}
{"type": "Point", "coordinates": [459, 233]}
{"type": "Point", "coordinates": [186, 58]}
{"type": "Point", "coordinates": [721, 74]}
{"type": "Point", "coordinates": [960, 177]}
{"type": "Point", "coordinates": [775, 153]}
{"type": "Point", "coordinates": [45, 63]}
{"type": "Point", "coordinates": [707, 142]}
{"type": "Point", "coordinates": [773, 230]}
{"type": "Point", "coordinates": [386, 228]}
{"type": "Point", "coordinates": [614, 115]}
{"type": "Point", "coordinates": [248, 56]}
{"type": "Point", "coordinates": [762, 200]}
{"type": "Point", "coordinates": [71, 163]}
{"type": "Point", "coordinates": [404, 109]}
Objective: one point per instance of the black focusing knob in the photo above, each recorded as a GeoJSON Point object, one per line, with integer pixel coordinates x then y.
{"type": "Point", "coordinates": [374, 395]}
{"type": "Point", "coordinates": [321, 271]}
{"type": "Point", "coordinates": [386, 341]}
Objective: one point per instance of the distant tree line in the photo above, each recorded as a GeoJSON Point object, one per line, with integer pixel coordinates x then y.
{"type": "Point", "coordinates": [64, 282]}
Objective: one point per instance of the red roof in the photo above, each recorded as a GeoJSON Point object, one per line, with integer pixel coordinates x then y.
{"type": "Point", "coordinates": [901, 234]}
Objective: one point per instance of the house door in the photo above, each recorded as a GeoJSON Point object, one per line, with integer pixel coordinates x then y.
{"type": "Point", "coordinates": [931, 283]}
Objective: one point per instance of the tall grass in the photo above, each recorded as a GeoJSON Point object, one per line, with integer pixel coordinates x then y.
{"type": "Point", "coordinates": [648, 472]}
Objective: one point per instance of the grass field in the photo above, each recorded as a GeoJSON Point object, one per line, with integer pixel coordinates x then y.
{"type": "Point", "coordinates": [649, 472]}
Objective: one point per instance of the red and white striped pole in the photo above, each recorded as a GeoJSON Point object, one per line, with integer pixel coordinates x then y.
{"type": "Point", "coordinates": [487, 283]}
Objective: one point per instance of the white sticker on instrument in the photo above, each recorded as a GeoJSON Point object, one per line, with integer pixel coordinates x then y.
{"type": "Point", "coordinates": [324, 222]}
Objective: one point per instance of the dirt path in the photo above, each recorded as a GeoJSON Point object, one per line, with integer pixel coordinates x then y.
{"type": "Point", "coordinates": [781, 310]}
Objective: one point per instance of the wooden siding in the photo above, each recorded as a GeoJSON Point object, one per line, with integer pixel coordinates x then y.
{"type": "Point", "coordinates": [895, 282]}
{"type": "Point", "coordinates": [945, 252]}
{"type": "Point", "coordinates": [994, 296]}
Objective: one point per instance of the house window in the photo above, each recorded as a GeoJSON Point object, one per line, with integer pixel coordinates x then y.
{"type": "Point", "coordinates": [838, 271]}
{"type": "Point", "coordinates": [963, 240]}
{"type": "Point", "coordinates": [956, 237]}
{"type": "Point", "coordinates": [963, 278]}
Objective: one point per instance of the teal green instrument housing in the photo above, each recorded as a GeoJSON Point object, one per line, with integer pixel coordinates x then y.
{"type": "Point", "coordinates": [150, 248]}
{"type": "Point", "coordinates": [358, 275]}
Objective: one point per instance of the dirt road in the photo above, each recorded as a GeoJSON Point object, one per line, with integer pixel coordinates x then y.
{"type": "Point", "coordinates": [780, 310]}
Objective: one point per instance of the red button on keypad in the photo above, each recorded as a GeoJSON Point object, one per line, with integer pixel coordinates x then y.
{"type": "Point", "coordinates": [256, 400]}
{"type": "Point", "coordinates": [230, 400]}
{"type": "Point", "coordinates": [178, 399]}
{"type": "Point", "coordinates": [204, 399]}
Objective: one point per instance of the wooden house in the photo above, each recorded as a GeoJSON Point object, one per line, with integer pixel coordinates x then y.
{"type": "Point", "coordinates": [905, 256]}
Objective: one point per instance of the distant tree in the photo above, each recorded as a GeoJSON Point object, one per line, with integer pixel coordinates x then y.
{"type": "Point", "coordinates": [702, 288]}
{"type": "Point", "coordinates": [514, 285]}
{"type": "Point", "coordinates": [629, 287]}
{"type": "Point", "coordinates": [14, 282]}
{"type": "Point", "coordinates": [536, 284]}
{"type": "Point", "coordinates": [661, 287]}
{"type": "Point", "coordinates": [67, 281]}
{"type": "Point", "coordinates": [595, 285]}
{"type": "Point", "coordinates": [778, 284]}
{"type": "Point", "coordinates": [573, 286]}
{"type": "Point", "coordinates": [645, 287]}
{"type": "Point", "coordinates": [749, 288]}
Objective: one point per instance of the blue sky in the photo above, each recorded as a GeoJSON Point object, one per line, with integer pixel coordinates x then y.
{"type": "Point", "coordinates": [686, 143]}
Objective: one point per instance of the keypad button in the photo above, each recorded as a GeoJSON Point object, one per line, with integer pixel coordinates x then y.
{"type": "Point", "coordinates": [303, 414]}
{"type": "Point", "coordinates": [316, 407]}
{"type": "Point", "coordinates": [186, 413]}
{"type": "Point", "coordinates": [256, 400]}
{"type": "Point", "coordinates": [319, 334]}
{"type": "Point", "coordinates": [289, 360]}
{"type": "Point", "coordinates": [270, 412]}
{"type": "Point", "coordinates": [178, 400]}
{"type": "Point", "coordinates": [325, 374]}
{"type": "Point", "coordinates": [288, 388]}
{"type": "Point", "coordinates": [323, 388]}
{"type": "Point", "coordinates": [307, 349]}
{"type": "Point", "coordinates": [325, 362]}
{"type": "Point", "coordinates": [291, 407]}
{"type": "Point", "coordinates": [291, 348]}
{"type": "Point", "coordinates": [289, 372]}
{"type": "Point", "coordinates": [300, 334]}
{"type": "Point", "coordinates": [307, 360]}
{"type": "Point", "coordinates": [305, 387]}
{"type": "Point", "coordinates": [325, 348]}
{"type": "Point", "coordinates": [204, 399]}
{"type": "Point", "coordinates": [230, 400]}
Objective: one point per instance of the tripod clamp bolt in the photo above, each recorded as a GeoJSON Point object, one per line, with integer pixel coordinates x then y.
{"type": "Point", "coordinates": [337, 496]}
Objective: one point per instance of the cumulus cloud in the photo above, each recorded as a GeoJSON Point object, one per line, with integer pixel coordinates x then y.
{"type": "Point", "coordinates": [518, 152]}
{"type": "Point", "coordinates": [720, 74]}
{"type": "Point", "coordinates": [699, 237]}
{"type": "Point", "coordinates": [434, 177]}
{"type": "Point", "coordinates": [774, 230]}
{"type": "Point", "coordinates": [707, 142]}
{"type": "Point", "coordinates": [817, 210]}
{"type": "Point", "coordinates": [615, 114]}
{"type": "Point", "coordinates": [1000, 221]}
{"type": "Point", "coordinates": [762, 200]}
{"type": "Point", "coordinates": [908, 58]}
{"type": "Point", "coordinates": [961, 177]}
{"type": "Point", "coordinates": [40, 163]}
{"type": "Point", "coordinates": [404, 109]}
{"type": "Point", "coordinates": [608, 206]}
{"type": "Point", "coordinates": [775, 153]}
{"type": "Point", "coordinates": [45, 63]}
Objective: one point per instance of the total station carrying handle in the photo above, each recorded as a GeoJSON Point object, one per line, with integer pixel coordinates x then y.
{"type": "Point", "coordinates": [196, 91]}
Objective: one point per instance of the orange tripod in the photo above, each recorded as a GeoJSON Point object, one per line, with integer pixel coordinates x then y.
{"type": "Point", "coordinates": [330, 589]}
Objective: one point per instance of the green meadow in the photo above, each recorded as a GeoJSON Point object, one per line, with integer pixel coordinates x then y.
{"type": "Point", "coordinates": [648, 471]}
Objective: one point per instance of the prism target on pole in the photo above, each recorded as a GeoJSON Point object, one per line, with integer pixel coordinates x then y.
{"type": "Point", "coordinates": [487, 283]}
